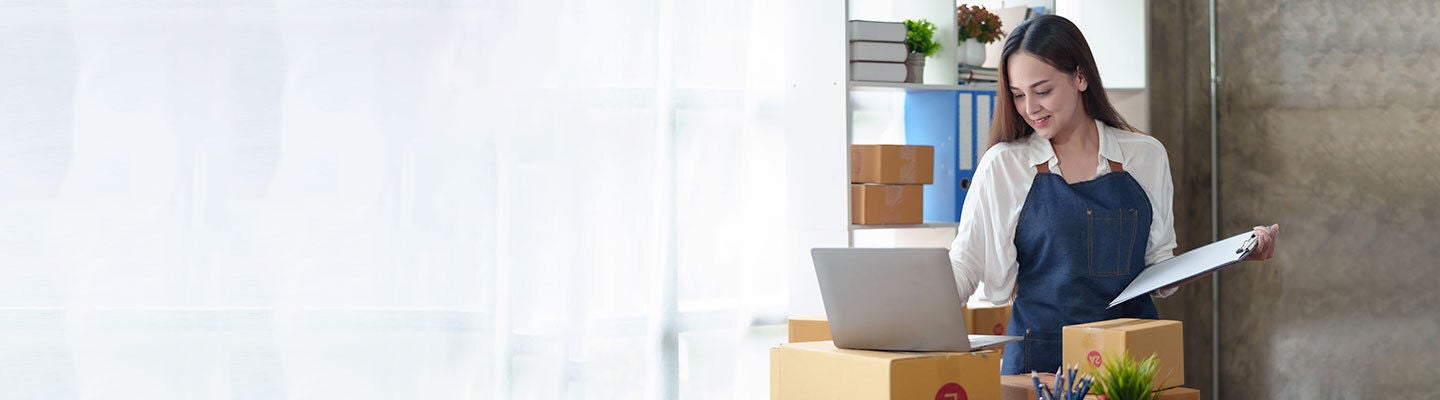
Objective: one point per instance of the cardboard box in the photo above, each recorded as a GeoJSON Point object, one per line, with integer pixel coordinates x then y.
{"type": "Point", "coordinates": [987, 319]}
{"type": "Point", "coordinates": [892, 164]}
{"type": "Point", "coordinates": [774, 373]}
{"type": "Point", "coordinates": [1178, 393]}
{"type": "Point", "coordinates": [984, 320]}
{"type": "Point", "coordinates": [808, 330]}
{"type": "Point", "coordinates": [886, 204]}
{"type": "Point", "coordinates": [1087, 345]}
{"type": "Point", "coordinates": [1020, 387]}
{"type": "Point", "coordinates": [818, 370]}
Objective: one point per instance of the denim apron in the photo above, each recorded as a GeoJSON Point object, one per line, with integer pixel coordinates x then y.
{"type": "Point", "coordinates": [1078, 246]}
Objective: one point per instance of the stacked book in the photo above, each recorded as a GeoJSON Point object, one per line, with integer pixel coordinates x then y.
{"type": "Point", "coordinates": [877, 51]}
{"type": "Point", "coordinates": [976, 74]}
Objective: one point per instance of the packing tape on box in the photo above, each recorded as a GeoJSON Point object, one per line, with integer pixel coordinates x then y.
{"type": "Point", "coordinates": [908, 158]}
{"type": "Point", "coordinates": [949, 373]}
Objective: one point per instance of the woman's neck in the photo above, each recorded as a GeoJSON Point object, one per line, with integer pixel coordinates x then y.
{"type": "Point", "coordinates": [1084, 139]}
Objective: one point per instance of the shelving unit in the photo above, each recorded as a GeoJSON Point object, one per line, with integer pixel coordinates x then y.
{"type": "Point", "coordinates": [961, 124]}
{"type": "Point", "coordinates": [917, 87]}
{"type": "Point", "coordinates": [911, 10]}
{"type": "Point", "coordinates": [907, 226]}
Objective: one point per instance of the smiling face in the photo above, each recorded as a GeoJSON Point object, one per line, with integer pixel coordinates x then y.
{"type": "Point", "coordinates": [1047, 98]}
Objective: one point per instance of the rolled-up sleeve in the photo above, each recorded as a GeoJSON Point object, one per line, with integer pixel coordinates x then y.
{"type": "Point", "coordinates": [1161, 191]}
{"type": "Point", "coordinates": [984, 246]}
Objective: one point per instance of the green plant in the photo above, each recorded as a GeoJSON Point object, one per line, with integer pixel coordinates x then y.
{"type": "Point", "coordinates": [975, 22]}
{"type": "Point", "coordinates": [1124, 378]}
{"type": "Point", "coordinates": [920, 37]}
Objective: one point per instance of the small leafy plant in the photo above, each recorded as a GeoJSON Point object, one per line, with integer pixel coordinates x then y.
{"type": "Point", "coordinates": [920, 37]}
{"type": "Point", "coordinates": [1123, 378]}
{"type": "Point", "coordinates": [975, 22]}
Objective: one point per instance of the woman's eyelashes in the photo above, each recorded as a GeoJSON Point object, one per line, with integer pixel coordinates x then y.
{"type": "Point", "coordinates": [1018, 95]}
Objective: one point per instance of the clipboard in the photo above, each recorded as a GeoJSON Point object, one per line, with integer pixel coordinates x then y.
{"type": "Point", "coordinates": [1188, 265]}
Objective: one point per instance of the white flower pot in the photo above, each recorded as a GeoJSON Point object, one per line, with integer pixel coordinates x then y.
{"type": "Point", "coordinates": [971, 52]}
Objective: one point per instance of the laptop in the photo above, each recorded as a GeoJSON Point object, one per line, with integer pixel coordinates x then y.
{"type": "Point", "coordinates": [895, 299]}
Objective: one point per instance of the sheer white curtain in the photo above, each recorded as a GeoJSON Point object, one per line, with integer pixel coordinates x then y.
{"type": "Point", "coordinates": [389, 199]}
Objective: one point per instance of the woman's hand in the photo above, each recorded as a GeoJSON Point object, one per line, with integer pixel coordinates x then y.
{"type": "Point", "coordinates": [1265, 243]}
{"type": "Point", "coordinates": [1264, 249]}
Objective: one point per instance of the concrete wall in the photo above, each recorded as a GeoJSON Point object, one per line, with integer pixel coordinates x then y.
{"type": "Point", "coordinates": [1330, 125]}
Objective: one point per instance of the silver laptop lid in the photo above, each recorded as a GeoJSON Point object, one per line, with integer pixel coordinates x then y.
{"type": "Point", "coordinates": [891, 299]}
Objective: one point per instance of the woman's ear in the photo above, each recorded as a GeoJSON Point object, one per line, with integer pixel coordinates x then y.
{"type": "Point", "coordinates": [1080, 81]}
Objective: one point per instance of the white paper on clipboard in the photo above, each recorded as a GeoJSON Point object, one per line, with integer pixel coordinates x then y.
{"type": "Point", "coordinates": [1185, 266]}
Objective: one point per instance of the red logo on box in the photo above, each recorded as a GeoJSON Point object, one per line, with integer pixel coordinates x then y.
{"type": "Point", "coordinates": [999, 329]}
{"type": "Point", "coordinates": [951, 391]}
{"type": "Point", "coordinates": [1094, 358]}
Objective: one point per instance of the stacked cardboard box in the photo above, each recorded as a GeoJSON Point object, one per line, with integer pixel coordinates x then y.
{"type": "Point", "coordinates": [886, 183]}
{"type": "Point", "coordinates": [819, 370]}
{"type": "Point", "coordinates": [809, 330]}
{"type": "Point", "coordinates": [1021, 387]}
{"type": "Point", "coordinates": [980, 319]}
{"type": "Point", "coordinates": [1087, 345]}
{"type": "Point", "coordinates": [811, 367]}
{"type": "Point", "coordinates": [987, 318]}
{"type": "Point", "coordinates": [1175, 393]}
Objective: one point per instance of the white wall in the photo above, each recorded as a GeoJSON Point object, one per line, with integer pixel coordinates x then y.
{"type": "Point", "coordinates": [1134, 105]}
{"type": "Point", "coordinates": [1115, 30]}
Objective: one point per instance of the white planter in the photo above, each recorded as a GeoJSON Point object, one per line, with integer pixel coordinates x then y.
{"type": "Point", "coordinates": [971, 52]}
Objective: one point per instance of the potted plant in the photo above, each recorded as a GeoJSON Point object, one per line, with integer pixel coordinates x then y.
{"type": "Point", "coordinates": [920, 39]}
{"type": "Point", "coordinates": [976, 27]}
{"type": "Point", "coordinates": [1124, 378]}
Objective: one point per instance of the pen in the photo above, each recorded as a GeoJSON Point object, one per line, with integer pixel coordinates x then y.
{"type": "Point", "coordinates": [1079, 383]}
{"type": "Point", "coordinates": [1070, 386]}
{"type": "Point", "coordinates": [1059, 377]}
{"type": "Point", "coordinates": [1039, 395]}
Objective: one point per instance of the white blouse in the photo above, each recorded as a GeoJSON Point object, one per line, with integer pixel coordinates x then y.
{"type": "Point", "coordinates": [984, 248]}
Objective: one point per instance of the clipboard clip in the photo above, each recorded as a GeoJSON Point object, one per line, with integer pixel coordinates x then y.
{"type": "Point", "coordinates": [1248, 245]}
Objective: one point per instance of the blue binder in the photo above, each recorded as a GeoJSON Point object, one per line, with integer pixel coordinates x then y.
{"type": "Point", "coordinates": [957, 123]}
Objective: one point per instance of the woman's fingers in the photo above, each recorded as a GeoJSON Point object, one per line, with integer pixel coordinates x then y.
{"type": "Point", "coordinates": [1274, 235]}
{"type": "Point", "coordinates": [1265, 242]}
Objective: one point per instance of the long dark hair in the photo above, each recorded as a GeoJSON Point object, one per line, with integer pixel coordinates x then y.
{"type": "Point", "coordinates": [1057, 41]}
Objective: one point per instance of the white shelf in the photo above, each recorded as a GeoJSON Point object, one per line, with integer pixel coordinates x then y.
{"type": "Point", "coordinates": [907, 226]}
{"type": "Point", "coordinates": [916, 87]}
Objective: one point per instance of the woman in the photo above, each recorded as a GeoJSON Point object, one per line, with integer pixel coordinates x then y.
{"type": "Point", "coordinates": [1069, 204]}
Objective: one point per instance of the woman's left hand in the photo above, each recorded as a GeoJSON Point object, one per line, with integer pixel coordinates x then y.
{"type": "Point", "coordinates": [1265, 243]}
{"type": "Point", "coordinates": [1264, 249]}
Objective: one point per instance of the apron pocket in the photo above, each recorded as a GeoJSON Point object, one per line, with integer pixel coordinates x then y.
{"type": "Point", "coordinates": [1110, 238]}
{"type": "Point", "coordinates": [1042, 351]}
